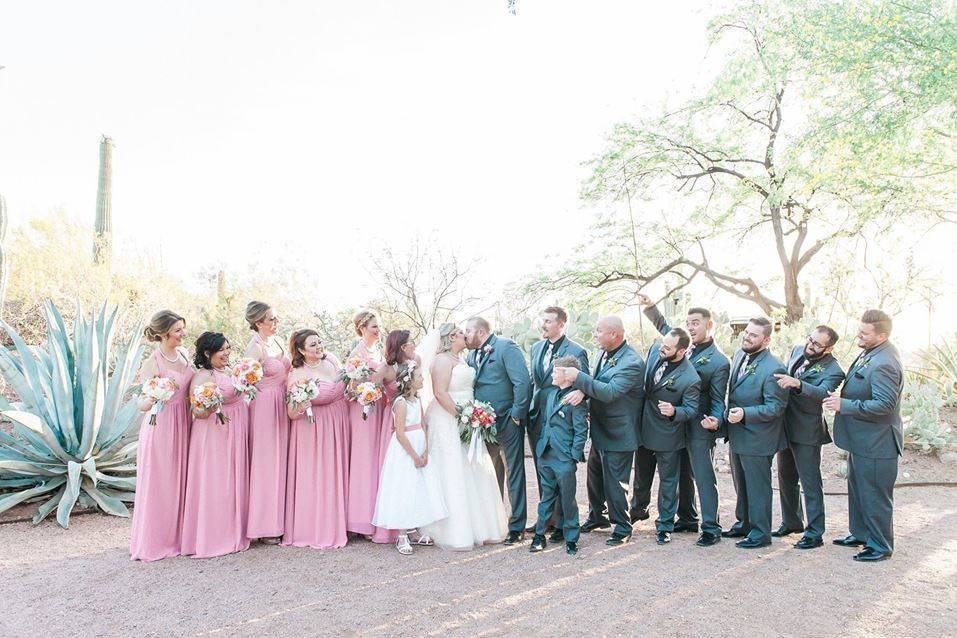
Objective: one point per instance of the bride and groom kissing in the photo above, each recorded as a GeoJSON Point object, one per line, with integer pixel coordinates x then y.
{"type": "Point", "coordinates": [495, 372]}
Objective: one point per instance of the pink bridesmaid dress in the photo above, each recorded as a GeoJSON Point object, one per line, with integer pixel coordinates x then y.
{"type": "Point", "coordinates": [268, 448]}
{"type": "Point", "coordinates": [217, 481]}
{"type": "Point", "coordinates": [316, 484]}
{"type": "Point", "coordinates": [161, 474]}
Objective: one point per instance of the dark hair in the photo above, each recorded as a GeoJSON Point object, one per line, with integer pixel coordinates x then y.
{"type": "Point", "coordinates": [559, 313]}
{"type": "Point", "coordinates": [393, 345]}
{"type": "Point", "coordinates": [832, 336]}
{"type": "Point", "coordinates": [568, 361]}
{"type": "Point", "coordinates": [160, 324]}
{"type": "Point", "coordinates": [684, 340]}
{"type": "Point", "coordinates": [482, 323]}
{"type": "Point", "coordinates": [208, 344]}
{"type": "Point", "coordinates": [297, 341]}
{"type": "Point", "coordinates": [704, 312]}
{"type": "Point", "coordinates": [405, 375]}
{"type": "Point", "coordinates": [764, 322]}
{"type": "Point", "coordinates": [881, 321]}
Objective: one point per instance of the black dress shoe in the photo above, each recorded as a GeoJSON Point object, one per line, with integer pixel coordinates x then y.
{"type": "Point", "coordinates": [538, 543]}
{"type": "Point", "coordinates": [752, 543]}
{"type": "Point", "coordinates": [557, 536]}
{"type": "Point", "coordinates": [571, 548]}
{"type": "Point", "coordinates": [514, 537]}
{"type": "Point", "coordinates": [807, 542]}
{"type": "Point", "coordinates": [639, 515]}
{"type": "Point", "coordinates": [681, 526]}
{"type": "Point", "coordinates": [707, 539]}
{"type": "Point", "coordinates": [618, 539]}
{"type": "Point", "coordinates": [870, 555]}
{"type": "Point", "coordinates": [588, 526]}
{"type": "Point", "coordinates": [734, 532]}
{"type": "Point", "coordinates": [784, 531]}
{"type": "Point", "coordinates": [663, 537]}
{"type": "Point", "coordinates": [848, 541]}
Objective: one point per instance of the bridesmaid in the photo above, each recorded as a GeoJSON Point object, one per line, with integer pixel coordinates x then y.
{"type": "Point", "coordinates": [316, 487]}
{"type": "Point", "coordinates": [268, 427]}
{"type": "Point", "coordinates": [367, 435]}
{"type": "Point", "coordinates": [217, 480]}
{"type": "Point", "coordinates": [164, 447]}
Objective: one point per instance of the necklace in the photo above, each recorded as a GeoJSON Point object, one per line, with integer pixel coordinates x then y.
{"type": "Point", "coordinates": [163, 354]}
{"type": "Point", "coordinates": [309, 365]}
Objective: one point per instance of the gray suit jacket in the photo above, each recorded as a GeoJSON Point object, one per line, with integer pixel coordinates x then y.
{"type": "Point", "coordinates": [713, 367]}
{"type": "Point", "coordinates": [542, 386]}
{"type": "Point", "coordinates": [804, 417]}
{"type": "Point", "coordinates": [680, 388]}
{"type": "Point", "coordinates": [615, 406]}
{"type": "Point", "coordinates": [869, 422]}
{"type": "Point", "coordinates": [502, 378]}
{"type": "Point", "coordinates": [565, 428]}
{"type": "Point", "coordinates": [764, 401]}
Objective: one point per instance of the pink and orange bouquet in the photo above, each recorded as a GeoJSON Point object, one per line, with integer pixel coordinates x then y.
{"type": "Point", "coordinates": [245, 374]}
{"type": "Point", "coordinates": [366, 394]}
{"type": "Point", "coordinates": [355, 370]}
{"type": "Point", "coordinates": [302, 392]}
{"type": "Point", "coordinates": [208, 397]}
{"type": "Point", "coordinates": [477, 418]}
{"type": "Point", "coordinates": [161, 390]}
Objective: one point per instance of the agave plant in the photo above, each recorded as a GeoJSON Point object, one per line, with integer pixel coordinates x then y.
{"type": "Point", "coordinates": [71, 436]}
{"type": "Point", "coordinates": [941, 359]}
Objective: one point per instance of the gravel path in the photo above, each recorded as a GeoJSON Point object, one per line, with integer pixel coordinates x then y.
{"type": "Point", "coordinates": [81, 582]}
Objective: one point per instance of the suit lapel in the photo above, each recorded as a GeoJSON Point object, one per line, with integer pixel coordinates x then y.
{"type": "Point", "coordinates": [735, 381]}
{"type": "Point", "coordinates": [485, 357]}
{"type": "Point", "coordinates": [536, 363]}
{"type": "Point", "coordinates": [700, 355]}
{"type": "Point", "coordinates": [664, 379]}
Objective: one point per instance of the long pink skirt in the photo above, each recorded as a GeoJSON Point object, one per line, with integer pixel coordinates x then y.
{"type": "Point", "coordinates": [268, 447]}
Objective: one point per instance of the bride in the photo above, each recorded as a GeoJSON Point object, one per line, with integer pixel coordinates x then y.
{"type": "Point", "coordinates": [476, 511]}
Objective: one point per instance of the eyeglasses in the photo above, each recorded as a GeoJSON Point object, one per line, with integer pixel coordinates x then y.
{"type": "Point", "coordinates": [818, 345]}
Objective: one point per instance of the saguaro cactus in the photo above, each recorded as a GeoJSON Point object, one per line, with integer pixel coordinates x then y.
{"type": "Point", "coordinates": [102, 250]}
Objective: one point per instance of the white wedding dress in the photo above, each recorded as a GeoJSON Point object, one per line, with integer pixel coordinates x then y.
{"type": "Point", "coordinates": [476, 511]}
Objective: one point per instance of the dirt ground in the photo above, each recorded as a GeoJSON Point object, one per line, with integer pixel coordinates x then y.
{"type": "Point", "coordinates": [81, 582]}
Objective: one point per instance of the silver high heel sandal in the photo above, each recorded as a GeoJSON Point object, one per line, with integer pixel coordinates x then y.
{"type": "Point", "coordinates": [402, 545]}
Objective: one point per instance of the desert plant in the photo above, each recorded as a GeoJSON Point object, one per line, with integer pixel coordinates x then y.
{"type": "Point", "coordinates": [73, 429]}
{"type": "Point", "coordinates": [923, 429]}
{"type": "Point", "coordinates": [940, 361]}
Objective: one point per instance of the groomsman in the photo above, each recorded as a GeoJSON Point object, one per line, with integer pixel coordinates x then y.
{"type": "Point", "coordinates": [501, 379]}
{"type": "Point", "coordinates": [756, 430]}
{"type": "Point", "coordinates": [554, 345]}
{"type": "Point", "coordinates": [697, 466]}
{"type": "Point", "coordinates": [867, 423]}
{"type": "Point", "coordinates": [813, 373]}
{"type": "Point", "coordinates": [615, 391]}
{"type": "Point", "coordinates": [560, 448]}
{"type": "Point", "coordinates": [671, 402]}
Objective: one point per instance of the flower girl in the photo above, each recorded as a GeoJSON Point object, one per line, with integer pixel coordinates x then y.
{"type": "Point", "coordinates": [409, 493]}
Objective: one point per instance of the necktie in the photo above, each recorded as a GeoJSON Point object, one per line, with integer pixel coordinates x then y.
{"type": "Point", "coordinates": [548, 356]}
{"type": "Point", "coordinates": [799, 370]}
{"type": "Point", "coordinates": [660, 372]}
{"type": "Point", "coordinates": [744, 366]}
{"type": "Point", "coordinates": [690, 351]}
{"type": "Point", "coordinates": [601, 363]}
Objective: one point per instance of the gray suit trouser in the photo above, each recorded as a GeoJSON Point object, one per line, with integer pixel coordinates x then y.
{"type": "Point", "coordinates": [801, 463]}
{"type": "Point", "coordinates": [669, 469]}
{"type": "Point", "coordinates": [609, 474]}
{"type": "Point", "coordinates": [556, 475]}
{"type": "Point", "coordinates": [870, 499]}
{"type": "Point", "coordinates": [752, 482]}
{"type": "Point", "coordinates": [509, 453]}
{"type": "Point", "coordinates": [701, 455]}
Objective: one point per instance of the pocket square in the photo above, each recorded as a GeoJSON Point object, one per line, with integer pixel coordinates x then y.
{"type": "Point", "coordinates": [561, 414]}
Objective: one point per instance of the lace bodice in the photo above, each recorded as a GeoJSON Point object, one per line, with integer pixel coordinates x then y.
{"type": "Point", "coordinates": [462, 383]}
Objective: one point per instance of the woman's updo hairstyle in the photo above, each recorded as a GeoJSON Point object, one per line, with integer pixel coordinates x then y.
{"type": "Point", "coordinates": [256, 311]}
{"type": "Point", "coordinates": [160, 324]}
{"type": "Point", "coordinates": [297, 341]}
{"type": "Point", "coordinates": [446, 336]}
{"type": "Point", "coordinates": [362, 319]}
{"type": "Point", "coordinates": [393, 345]}
{"type": "Point", "coordinates": [208, 344]}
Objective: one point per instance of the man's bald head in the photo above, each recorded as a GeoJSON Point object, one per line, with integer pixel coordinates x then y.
{"type": "Point", "coordinates": [609, 333]}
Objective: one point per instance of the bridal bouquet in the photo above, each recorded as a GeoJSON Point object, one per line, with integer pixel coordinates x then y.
{"type": "Point", "coordinates": [366, 394]}
{"type": "Point", "coordinates": [476, 419]}
{"type": "Point", "coordinates": [161, 390]}
{"type": "Point", "coordinates": [245, 374]}
{"type": "Point", "coordinates": [303, 391]}
{"type": "Point", "coordinates": [354, 371]}
{"type": "Point", "coordinates": [208, 397]}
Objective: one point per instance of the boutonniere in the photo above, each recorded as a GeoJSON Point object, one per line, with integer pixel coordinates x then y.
{"type": "Point", "coordinates": [669, 383]}
{"type": "Point", "coordinates": [703, 360]}
{"type": "Point", "coordinates": [487, 350]}
{"type": "Point", "coordinates": [611, 362]}
{"type": "Point", "coordinates": [751, 369]}
{"type": "Point", "coordinates": [863, 363]}
{"type": "Point", "coordinates": [561, 414]}
{"type": "Point", "coordinates": [817, 368]}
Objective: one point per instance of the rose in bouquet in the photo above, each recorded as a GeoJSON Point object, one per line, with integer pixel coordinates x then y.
{"type": "Point", "coordinates": [245, 374]}
{"type": "Point", "coordinates": [355, 370]}
{"type": "Point", "coordinates": [161, 390]}
{"type": "Point", "coordinates": [476, 419]}
{"type": "Point", "coordinates": [302, 392]}
{"type": "Point", "coordinates": [208, 397]}
{"type": "Point", "coordinates": [366, 394]}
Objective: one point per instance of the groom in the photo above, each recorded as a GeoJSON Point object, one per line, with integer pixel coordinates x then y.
{"type": "Point", "coordinates": [501, 379]}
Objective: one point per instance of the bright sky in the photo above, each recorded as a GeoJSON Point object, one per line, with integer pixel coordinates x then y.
{"type": "Point", "coordinates": [290, 124]}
